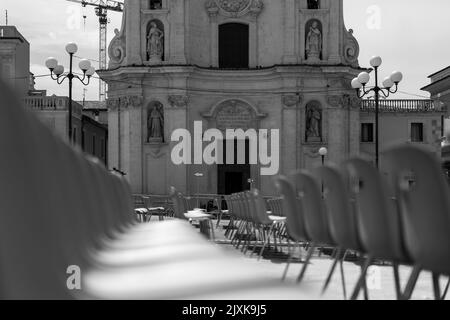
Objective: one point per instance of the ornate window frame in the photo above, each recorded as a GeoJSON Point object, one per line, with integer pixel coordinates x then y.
{"type": "Point", "coordinates": [219, 14]}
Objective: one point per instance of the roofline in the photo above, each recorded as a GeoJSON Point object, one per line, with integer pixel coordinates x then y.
{"type": "Point", "coordinates": [434, 83]}
{"type": "Point", "coordinates": [432, 75]}
{"type": "Point", "coordinates": [14, 38]}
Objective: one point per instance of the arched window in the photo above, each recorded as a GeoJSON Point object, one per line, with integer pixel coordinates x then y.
{"type": "Point", "coordinates": [313, 4]}
{"type": "Point", "coordinates": [234, 46]}
{"type": "Point", "coordinates": [156, 4]}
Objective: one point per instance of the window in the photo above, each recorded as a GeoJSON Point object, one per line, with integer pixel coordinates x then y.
{"type": "Point", "coordinates": [233, 46]}
{"type": "Point", "coordinates": [367, 132]}
{"type": "Point", "coordinates": [155, 4]}
{"type": "Point", "coordinates": [313, 4]}
{"type": "Point", "coordinates": [416, 132]}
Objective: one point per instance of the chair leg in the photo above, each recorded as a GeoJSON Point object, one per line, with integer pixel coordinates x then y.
{"type": "Point", "coordinates": [398, 290]}
{"type": "Point", "coordinates": [213, 235]}
{"type": "Point", "coordinates": [235, 232]}
{"type": "Point", "coordinates": [337, 255]}
{"type": "Point", "coordinates": [308, 258]}
{"type": "Point", "coordinates": [288, 262]}
{"type": "Point", "coordinates": [239, 234]}
{"type": "Point", "coordinates": [265, 243]}
{"type": "Point", "coordinates": [411, 283]}
{"type": "Point", "coordinates": [344, 287]}
{"type": "Point", "coordinates": [362, 279]}
{"type": "Point", "coordinates": [365, 289]}
{"type": "Point", "coordinates": [436, 286]}
{"type": "Point", "coordinates": [444, 295]}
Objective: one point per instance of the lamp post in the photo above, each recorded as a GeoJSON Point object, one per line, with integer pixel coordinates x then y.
{"type": "Point", "coordinates": [251, 182]}
{"type": "Point", "coordinates": [57, 74]}
{"type": "Point", "coordinates": [198, 175]}
{"type": "Point", "coordinates": [359, 84]}
{"type": "Point", "coordinates": [323, 153]}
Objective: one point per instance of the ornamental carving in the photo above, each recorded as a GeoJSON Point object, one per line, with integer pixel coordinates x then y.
{"type": "Point", "coordinates": [291, 100]}
{"type": "Point", "coordinates": [351, 49]}
{"type": "Point", "coordinates": [233, 8]}
{"type": "Point", "coordinates": [235, 115]}
{"type": "Point", "coordinates": [345, 101]}
{"type": "Point", "coordinates": [117, 46]}
{"type": "Point", "coordinates": [116, 50]}
{"type": "Point", "coordinates": [233, 5]}
{"type": "Point", "coordinates": [124, 102]}
{"type": "Point", "coordinates": [178, 101]}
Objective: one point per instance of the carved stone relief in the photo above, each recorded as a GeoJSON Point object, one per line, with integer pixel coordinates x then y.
{"type": "Point", "coordinates": [233, 8]}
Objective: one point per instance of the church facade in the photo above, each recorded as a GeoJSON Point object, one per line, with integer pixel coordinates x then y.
{"type": "Point", "coordinates": [229, 64]}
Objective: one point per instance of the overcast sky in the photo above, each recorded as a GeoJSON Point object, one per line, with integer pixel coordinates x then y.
{"type": "Point", "coordinates": [412, 36]}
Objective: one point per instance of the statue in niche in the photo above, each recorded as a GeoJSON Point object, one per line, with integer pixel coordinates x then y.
{"type": "Point", "coordinates": [155, 123]}
{"type": "Point", "coordinates": [313, 124]}
{"type": "Point", "coordinates": [155, 43]}
{"type": "Point", "coordinates": [314, 42]}
{"type": "Point", "coordinates": [313, 4]}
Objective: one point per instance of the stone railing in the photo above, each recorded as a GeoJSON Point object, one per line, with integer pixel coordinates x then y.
{"type": "Point", "coordinates": [40, 103]}
{"type": "Point", "coordinates": [47, 103]}
{"type": "Point", "coordinates": [405, 106]}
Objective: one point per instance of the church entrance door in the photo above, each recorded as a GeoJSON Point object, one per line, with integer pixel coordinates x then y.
{"type": "Point", "coordinates": [233, 178]}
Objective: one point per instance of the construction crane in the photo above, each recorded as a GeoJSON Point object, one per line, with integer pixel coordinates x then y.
{"type": "Point", "coordinates": [101, 10]}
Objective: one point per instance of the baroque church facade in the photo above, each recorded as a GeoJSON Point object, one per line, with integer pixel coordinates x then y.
{"type": "Point", "coordinates": [231, 64]}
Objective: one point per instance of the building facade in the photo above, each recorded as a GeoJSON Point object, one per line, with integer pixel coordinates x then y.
{"type": "Point", "coordinates": [439, 88]}
{"type": "Point", "coordinates": [88, 133]}
{"type": "Point", "coordinates": [14, 59]}
{"type": "Point", "coordinates": [416, 122]}
{"type": "Point", "coordinates": [242, 64]}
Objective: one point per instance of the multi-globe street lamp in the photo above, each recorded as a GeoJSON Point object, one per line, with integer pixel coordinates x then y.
{"type": "Point", "coordinates": [57, 73]}
{"type": "Point", "coordinates": [359, 84]}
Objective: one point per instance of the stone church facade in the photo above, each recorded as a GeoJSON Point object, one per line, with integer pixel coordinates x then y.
{"type": "Point", "coordinates": [260, 64]}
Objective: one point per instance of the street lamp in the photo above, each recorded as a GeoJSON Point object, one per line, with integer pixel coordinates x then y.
{"type": "Point", "coordinates": [198, 175]}
{"type": "Point", "coordinates": [323, 153]}
{"type": "Point", "coordinates": [57, 73]}
{"type": "Point", "coordinates": [359, 84]}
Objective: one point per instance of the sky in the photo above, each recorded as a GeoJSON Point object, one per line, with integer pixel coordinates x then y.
{"type": "Point", "coordinates": [412, 36]}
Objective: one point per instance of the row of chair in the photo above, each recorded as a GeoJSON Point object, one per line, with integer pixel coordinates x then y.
{"type": "Point", "coordinates": [251, 222]}
{"type": "Point", "coordinates": [68, 231]}
{"type": "Point", "coordinates": [355, 209]}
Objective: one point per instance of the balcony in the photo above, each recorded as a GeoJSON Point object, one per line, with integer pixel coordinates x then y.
{"type": "Point", "coordinates": [53, 103]}
{"type": "Point", "coordinates": [404, 106]}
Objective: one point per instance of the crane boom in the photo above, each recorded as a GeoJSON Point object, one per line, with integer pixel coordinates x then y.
{"type": "Point", "coordinates": [101, 10]}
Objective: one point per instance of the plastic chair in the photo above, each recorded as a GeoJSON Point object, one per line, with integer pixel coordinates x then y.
{"type": "Point", "coordinates": [315, 215]}
{"type": "Point", "coordinates": [424, 204]}
{"type": "Point", "coordinates": [379, 224]}
{"type": "Point", "coordinates": [341, 217]}
{"type": "Point", "coordinates": [293, 210]}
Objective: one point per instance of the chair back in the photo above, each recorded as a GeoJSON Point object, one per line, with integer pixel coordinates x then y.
{"type": "Point", "coordinates": [292, 209]}
{"type": "Point", "coordinates": [423, 197]}
{"type": "Point", "coordinates": [379, 225]}
{"type": "Point", "coordinates": [316, 219]}
{"type": "Point", "coordinates": [341, 217]}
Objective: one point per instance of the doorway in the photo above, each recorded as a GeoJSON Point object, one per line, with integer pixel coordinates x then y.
{"type": "Point", "coordinates": [234, 178]}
